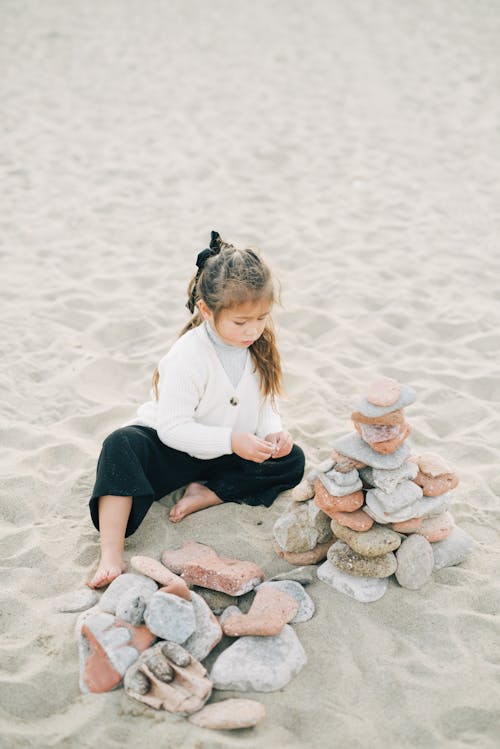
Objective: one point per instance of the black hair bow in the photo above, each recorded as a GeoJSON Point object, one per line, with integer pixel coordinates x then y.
{"type": "Point", "coordinates": [212, 249]}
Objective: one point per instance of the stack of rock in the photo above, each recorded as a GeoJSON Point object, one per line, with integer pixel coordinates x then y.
{"type": "Point", "coordinates": [151, 630]}
{"type": "Point", "coordinates": [388, 509]}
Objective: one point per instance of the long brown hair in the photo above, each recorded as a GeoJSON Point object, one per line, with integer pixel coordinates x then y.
{"type": "Point", "coordinates": [228, 277]}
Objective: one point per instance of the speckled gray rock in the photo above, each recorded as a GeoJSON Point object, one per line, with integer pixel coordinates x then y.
{"type": "Point", "coordinates": [207, 632]}
{"type": "Point", "coordinates": [77, 600]}
{"type": "Point", "coordinates": [425, 506]}
{"type": "Point", "coordinates": [345, 559]}
{"type": "Point", "coordinates": [216, 600]}
{"type": "Point", "coordinates": [452, 550]}
{"type": "Point", "coordinates": [374, 542]}
{"type": "Point", "coordinates": [338, 490]}
{"type": "Point", "coordinates": [362, 589]}
{"type": "Point", "coordinates": [129, 583]}
{"type": "Point", "coordinates": [407, 396]}
{"type": "Point", "coordinates": [259, 664]}
{"type": "Point", "coordinates": [388, 480]}
{"type": "Point", "coordinates": [303, 575]}
{"type": "Point", "coordinates": [295, 590]}
{"type": "Point", "coordinates": [302, 527]}
{"type": "Point", "coordinates": [131, 608]}
{"type": "Point", "coordinates": [170, 617]}
{"type": "Point", "coordinates": [354, 447]}
{"type": "Point", "coordinates": [343, 479]}
{"type": "Point", "coordinates": [415, 562]}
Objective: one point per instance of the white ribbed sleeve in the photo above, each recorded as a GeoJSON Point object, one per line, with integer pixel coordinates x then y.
{"type": "Point", "coordinates": [269, 420]}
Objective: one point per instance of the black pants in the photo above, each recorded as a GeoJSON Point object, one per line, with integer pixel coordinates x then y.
{"type": "Point", "coordinates": [134, 462]}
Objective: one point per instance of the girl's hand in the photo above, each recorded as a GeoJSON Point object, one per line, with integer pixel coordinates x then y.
{"type": "Point", "coordinates": [250, 447]}
{"type": "Point", "coordinates": [283, 443]}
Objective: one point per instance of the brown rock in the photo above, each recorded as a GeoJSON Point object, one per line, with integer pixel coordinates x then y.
{"type": "Point", "coordinates": [383, 392]}
{"type": "Point", "coordinates": [433, 487]}
{"type": "Point", "coordinates": [314, 556]}
{"type": "Point", "coordinates": [390, 419]}
{"type": "Point", "coordinates": [328, 503]}
{"type": "Point", "coordinates": [270, 611]}
{"type": "Point", "coordinates": [376, 542]}
{"type": "Point", "coordinates": [406, 526]}
{"type": "Point", "coordinates": [229, 714]}
{"type": "Point", "coordinates": [343, 464]}
{"type": "Point", "coordinates": [345, 559]}
{"type": "Point", "coordinates": [176, 559]}
{"type": "Point", "coordinates": [358, 520]}
{"type": "Point", "coordinates": [436, 528]}
{"type": "Point", "coordinates": [167, 677]}
{"type": "Point", "coordinates": [231, 576]}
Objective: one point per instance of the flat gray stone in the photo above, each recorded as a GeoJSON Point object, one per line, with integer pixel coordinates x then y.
{"type": "Point", "coordinates": [362, 589]}
{"type": "Point", "coordinates": [343, 479]}
{"type": "Point", "coordinates": [207, 632]}
{"type": "Point", "coordinates": [259, 664]}
{"type": "Point", "coordinates": [415, 562]}
{"type": "Point", "coordinates": [345, 559]}
{"type": "Point", "coordinates": [406, 493]}
{"type": "Point", "coordinates": [129, 583]}
{"type": "Point", "coordinates": [338, 490]}
{"type": "Point", "coordinates": [426, 506]}
{"type": "Point", "coordinates": [77, 600]}
{"type": "Point", "coordinates": [170, 617]}
{"type": "Point", "coordinates": [452, 550]}
{"type": "Point", "coordinates": [295, 590]}
{"type": "Point", "coordinates": [354, 447]}
{"type": "Point", "coordinates": [386, 480]}
{"type": "Point", "coordinates": [407, 396]}
{"type": "Point", "coordinates": [303, 575]}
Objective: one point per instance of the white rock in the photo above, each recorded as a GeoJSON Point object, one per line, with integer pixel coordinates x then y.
{"type": "Point", "coordinates": [415, 562]}
{"type": "Point", "coordinates": [363, 589]}
{"type": "Point", "coordinates": [128, 583]}
{"type": "Point", "coordinates": [343, 479]}
{"type": "Point", "coordinates": [452, 550]}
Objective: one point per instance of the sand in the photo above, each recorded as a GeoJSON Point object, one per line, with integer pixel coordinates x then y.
{"type": "Point", "coordinates": [357, 144]}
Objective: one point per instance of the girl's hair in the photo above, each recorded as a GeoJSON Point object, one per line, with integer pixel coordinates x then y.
{"type": "Point", "coordinates": [226, 278]}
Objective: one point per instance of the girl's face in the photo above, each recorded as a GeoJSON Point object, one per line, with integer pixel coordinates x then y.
{"type": "Point", "coordinates": [241, 325]}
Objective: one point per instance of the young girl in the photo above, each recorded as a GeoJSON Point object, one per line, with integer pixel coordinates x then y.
{"type": "Point", "coordinates": [213, 423]}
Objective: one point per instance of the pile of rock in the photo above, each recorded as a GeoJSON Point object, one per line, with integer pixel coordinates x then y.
{"type": "Point", "coordinates": [387, 509]}
{"type": "Point", "coordinates": [151, 630]}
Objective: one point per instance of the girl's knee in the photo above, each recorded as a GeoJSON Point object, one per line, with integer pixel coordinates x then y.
{"type": "Point", "coordinates": [297, 461]}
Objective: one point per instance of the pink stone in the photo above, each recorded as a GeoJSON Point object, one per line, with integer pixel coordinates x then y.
{"type": "Point", "coordinates": [229, 714]}
{"type": "Point", "coordinates": [271, 609]}
{"type": "Point", "coordinates": [389, 446]}
{"type": "Point", "coordinates": [176, 559]}
{"type": "Point", "coordinates": [232, 576]}
{"type": "Point", "coordinates": [328, 503]}
{"type": "Point", "coordinates": [433, 487]}
{"type": "Point", "coordinates": [436, 528]}
{"type": "Point", "coordinates": [406, 526]}
{"type": "Point", "coordinates": [431, 464]}
{"type": "Point", "coordinates": [379, 432]}
{"type": "Point", "coordinates": [343, 464]}
{"type": "Point", "coordinates": [177, 588]}
{"type": "Point", "coordinates": [157, 571]}
{"type": "Point", "coordinates": [358, 520]}
{"type": "Point", "coordinates": [383, 392]}
{"type": "Point", "coordinates": [299, 558]}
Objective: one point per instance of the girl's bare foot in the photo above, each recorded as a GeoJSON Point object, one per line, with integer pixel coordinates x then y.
{"type": "Point", "coordinates": [196, 497]}
{"type": "Point", "coordinates": [107, 570]}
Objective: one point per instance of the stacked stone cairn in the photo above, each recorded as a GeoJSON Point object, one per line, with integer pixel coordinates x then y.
{"type": "Point", "coordinates": [152, 628]}
{"type": "Point", "coordinates": [387, 509]}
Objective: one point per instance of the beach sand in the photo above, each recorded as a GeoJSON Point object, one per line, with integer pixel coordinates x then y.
{"type": "Point", "coordinates": [357, 145]}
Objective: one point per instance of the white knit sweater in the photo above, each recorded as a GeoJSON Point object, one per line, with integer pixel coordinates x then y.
{"type": "Point", "coordinates": [195, 411]}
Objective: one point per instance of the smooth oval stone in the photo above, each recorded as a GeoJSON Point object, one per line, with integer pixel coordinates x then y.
{"type": "Point", "coordinates": [363, 589]}
{"type": "Point", "coordinates": [303, 491]}
{"type": "Point", "coordinates": [329, 504]}
{"type": "Point", "coordinates": [259, 664]}
{"type": "Point", "coordinates": [415, 562]}
{"type": "Point", "coordinates": [453, 550]}
{"type": "Point", "coordinates": [295, 590]}
{"type": "Point", "coordinates": [371, 543]}
{"type": "Point", "coordinates": [229, 714]}
{"type": "Point", "coordinates": [129, 583]}
{"type": "Point", "coordinates": [384, 392]}
{"type": "Point", "coordinates": [357, 520]}
{"type": "Point", "coordinates": [407, 396]}
{"type": "Point", "coordinates": [354, 447]}
{"type": "Point", "coordinates": [77, 600]}
{"type": "Point", "coordinates": [170, 617]}
{"type": "Point", "coordinates": [437, 527]}
{"type": "Point", "coordinates": [345, 559]}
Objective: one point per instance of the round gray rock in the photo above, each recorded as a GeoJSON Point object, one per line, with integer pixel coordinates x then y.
{"type": "Point", "coordinates": [170, 617]}
{"type": "Point", "coordinates": [129, 583]}
{"type": "Point", "coordinates": [452, 550]}
{"type": "Point", "coordinates": [415, 562]}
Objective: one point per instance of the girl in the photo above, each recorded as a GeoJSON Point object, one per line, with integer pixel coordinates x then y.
{"type": "Point", "coordinates": [212, 424]}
